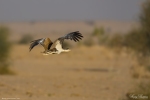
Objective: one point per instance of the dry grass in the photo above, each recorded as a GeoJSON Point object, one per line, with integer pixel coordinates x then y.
{"type": "Point", "coordinates": [94, 73]}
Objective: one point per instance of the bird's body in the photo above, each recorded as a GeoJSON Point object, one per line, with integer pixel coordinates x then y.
{"type": "Point", "coordinates": [55, 47]}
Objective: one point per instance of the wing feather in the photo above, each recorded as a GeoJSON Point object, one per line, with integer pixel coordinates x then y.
{"type": "Point", "coordinates": [79, 37]}
{"type": "Point", "coordinates": [45, 42]}
{"type": "Point", "coordinates": [75, 36]}
{"type": "Point", "coordinates": [35, 43]}
{"type": "Point", "coordinates": [36, 40]}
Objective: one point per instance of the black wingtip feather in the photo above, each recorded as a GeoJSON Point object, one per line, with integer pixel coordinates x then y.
{"type": "Point", "coordinates": [76, 36]}
{"type": "Point", "coordinates": [79, 37]}
{"type": "Point", "coordinates": [74, 39]}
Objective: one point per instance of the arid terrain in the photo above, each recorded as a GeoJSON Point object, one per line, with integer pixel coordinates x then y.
{"type": "Point", "coordinates": [85, 73]}
{"type": "Point", "coordinates": [54, 29]}
{"type": "Point", "coordinates": [94, 73]}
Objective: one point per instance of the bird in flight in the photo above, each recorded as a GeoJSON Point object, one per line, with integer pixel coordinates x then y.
{"type": "Point", "coordinates": [55, 47]}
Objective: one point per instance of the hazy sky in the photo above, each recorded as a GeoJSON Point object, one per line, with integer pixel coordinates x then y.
{"type": "Point", "coordinates": [27, 10]}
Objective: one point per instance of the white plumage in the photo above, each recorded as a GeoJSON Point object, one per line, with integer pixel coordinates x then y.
{"type": "Point", "coordinates": [57, 46]}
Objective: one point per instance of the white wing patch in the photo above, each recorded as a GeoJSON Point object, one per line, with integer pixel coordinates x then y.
{"type": "Point", "coordinates": [41, 41]}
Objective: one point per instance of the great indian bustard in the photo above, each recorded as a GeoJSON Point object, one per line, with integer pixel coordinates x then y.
{"type": "Point", "coordinates": [55, 47]}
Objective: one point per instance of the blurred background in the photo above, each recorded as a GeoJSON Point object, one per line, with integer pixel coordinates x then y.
{"type": "Point", "coordinates": [110, 63]}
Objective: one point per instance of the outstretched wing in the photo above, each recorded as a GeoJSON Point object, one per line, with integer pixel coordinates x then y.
{"type": "Point", "coordinates": [45, 42]}
{"type": "Point", "coordinates": [76, 36]}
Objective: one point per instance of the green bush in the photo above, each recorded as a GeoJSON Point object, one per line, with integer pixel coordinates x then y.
{"type": "Point", "coordinates": [145, 17]}
{"type": "Point", "coordinates": [138, 39]}
{"type": "Point", "coordinates": [5, 46]}
{"type": "Point", "coordinates": [26, 39]}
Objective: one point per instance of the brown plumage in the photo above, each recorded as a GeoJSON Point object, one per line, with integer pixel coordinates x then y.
{"type": "Point", "coordinates": [56, 46]}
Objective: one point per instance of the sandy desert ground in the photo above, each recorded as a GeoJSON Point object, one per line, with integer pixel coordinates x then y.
{"type": "Point", "coordinates": [85, 73]}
